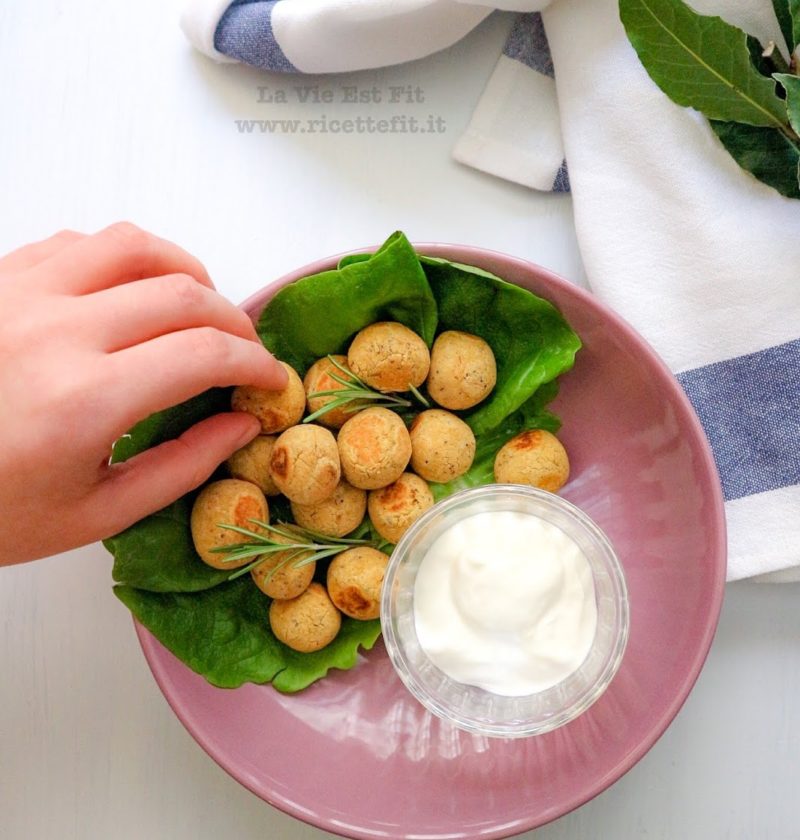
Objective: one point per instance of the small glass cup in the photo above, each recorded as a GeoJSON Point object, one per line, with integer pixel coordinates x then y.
{"type": "Point", "coordinates": [475, 709]}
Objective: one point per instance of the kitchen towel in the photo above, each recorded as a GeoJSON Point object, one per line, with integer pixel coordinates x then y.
{"type": "Point", "coordinates": [699, 256]}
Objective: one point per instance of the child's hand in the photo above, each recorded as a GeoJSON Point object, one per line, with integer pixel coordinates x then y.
{"type": "Point", "coordinates": [96, 333]}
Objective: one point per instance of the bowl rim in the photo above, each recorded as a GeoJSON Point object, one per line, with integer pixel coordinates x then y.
{"type": "Point", "coordinates": [477, 256]}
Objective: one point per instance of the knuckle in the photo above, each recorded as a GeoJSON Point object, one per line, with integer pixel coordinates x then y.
{"type": "Point", "coordinates": [66, 235]}
{"type": "Point", "coordinates": [210, 345]}
{"type": "Point", "coordinates": [130, 236]}
{"type": "Point", "coordinates": [187, 290]}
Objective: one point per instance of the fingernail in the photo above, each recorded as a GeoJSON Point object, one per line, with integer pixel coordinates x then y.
{"type": "Point", "coordinates": [280, 370]}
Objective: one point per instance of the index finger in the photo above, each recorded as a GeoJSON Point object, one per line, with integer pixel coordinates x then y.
{"type": "Point", "coordinates": [117, 254]}
{"type": "Point", "coordinates": [186, 363]}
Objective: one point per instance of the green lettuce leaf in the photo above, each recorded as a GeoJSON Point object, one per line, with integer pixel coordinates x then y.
{"type": "Point", "coordinates": [308, 320]}
{"type": "Point", "coordinates": [168, 424]}
{"type": "Point", "coordinates": [219, 627]}
{"type": "Point", "coordinates": [157, 553]}
{"type": "Point", "coordinates": [529, 337]}
{"type": "Point", "coordinates": [531, 341]}
{"type": "Point", "coordinates": [223, 634]}
{"type": "Point", "coordinates": [701, 62]}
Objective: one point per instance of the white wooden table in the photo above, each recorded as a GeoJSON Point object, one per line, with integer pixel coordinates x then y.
{"type": "Point", "coordinates": [105, 114]}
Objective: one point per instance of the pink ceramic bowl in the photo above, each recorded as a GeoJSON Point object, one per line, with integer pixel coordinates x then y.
{"type": "Point", "coordinates": [356, 755]}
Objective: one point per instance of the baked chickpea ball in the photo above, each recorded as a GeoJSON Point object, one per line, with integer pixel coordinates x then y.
{"type": "Point", "coordinates": [288, 581]}
{"type": "Point", "coordinates": [318, 378]}
{"type": "Point", "coordinates": [305, 464]}
{"type": "Point", "coordinates": [389, 356]}
{"type": "Point", "coordinates": [535, 457]}
{"type": "Point", "coordinates": [442, 445]}
{"type": "Point", "coordinates": [231, 502]}
{"type": "Point", "coordinates": [393, 509]}
{"type": "Point", "coordinates": [306, 623]}
{"type": "Point", "coordinates": [251, 463]}
{"type": "Point", "coordinates": [277, 410]}
{"type": "Point", "coordinates": [463, 370]}
{"type": "Point", "coordinates": [374, 447]}
{"type": "Point", "coordinates": [339, 514]}
{"type": "Point", "coordinates": [355, 578]}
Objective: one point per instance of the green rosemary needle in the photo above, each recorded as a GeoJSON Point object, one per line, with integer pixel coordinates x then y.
{"type": "Point", "coordinates": [301, 546]}
{"type": "Point", "coordinates": [356, 394]}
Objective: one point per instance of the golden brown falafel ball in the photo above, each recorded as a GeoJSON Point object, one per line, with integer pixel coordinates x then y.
{"type": "Point", "coordinates": [395, 508]}
{"type": "Point", "coordinates": [251, 463]}
{"type": "Point", "coordinates": [277, 410]}
{"type": "Point", "coordinates": [442, 445]}
{"type": "Point", "coordinates": [389, 356]}
{"type": "Point", "coordinates": [463, 370]}
{"type": "Point", "coordinates": [339, 514]}
{"type": "Point", "coordinates": [374, 448]}
{"type": "Point", "coordinates": [318, 378]}
{"type": "Point", "coordinates": [355, 579]}
{"type": "Point", "coordinates": [305, 464]}
{"type": "Point", "coordinates": [228, 502]}
{"type": "Point", "coordinates": [306, 623]}
{"type": "Point", "coordinates": [535, 457]}
{"type": "Point", "coordinates": [279, 575]}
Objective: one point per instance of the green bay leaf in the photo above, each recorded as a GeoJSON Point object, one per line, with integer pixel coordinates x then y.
{"type": "Point", "coordinates": [791, 84]}
{"type": "Point", "coordinates": [701, 62]}
{"type": "Point", "coordinates": [765, 152]}
{"type": "Point", "coordinates": [794, 11]}
{"type": "Point", "coordinates": [788, 14]}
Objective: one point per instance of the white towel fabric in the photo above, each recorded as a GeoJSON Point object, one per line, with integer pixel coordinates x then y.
{"type": "Point", "coordinates": [515, 129]}
{"type": "Point", "coordinates": [333, 36]}
{"type": "Point", "coordinates": [702, 258]}
{"type": "Point", "coordinates": [699, 256]}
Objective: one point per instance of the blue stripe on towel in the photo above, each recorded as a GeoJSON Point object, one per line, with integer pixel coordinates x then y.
{"type": "Point", "coordinates": [527, 43]}
{"type": "Point", "coordinates": [750, 409]}
{"type": "Point", "coordinates": [561, 181]}
{"type": "Point", "coordinates": [245, 33]}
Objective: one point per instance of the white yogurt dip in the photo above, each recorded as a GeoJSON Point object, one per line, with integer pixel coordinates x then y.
{"type": "Point", "coordinates": [505, 601]}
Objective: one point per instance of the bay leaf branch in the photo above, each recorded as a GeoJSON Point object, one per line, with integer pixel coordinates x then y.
{"type": "Point", "coordinates": [702, 62]}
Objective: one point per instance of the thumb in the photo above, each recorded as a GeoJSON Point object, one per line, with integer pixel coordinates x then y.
{"type": "Point", "coordinates": [157, 477]}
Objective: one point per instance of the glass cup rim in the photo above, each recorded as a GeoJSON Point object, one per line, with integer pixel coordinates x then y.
{"type": "Point", "coordinates": [396, 649]}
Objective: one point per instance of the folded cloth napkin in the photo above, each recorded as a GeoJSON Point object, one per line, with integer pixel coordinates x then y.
{"type": "Point", "coordinates": [699, 256]}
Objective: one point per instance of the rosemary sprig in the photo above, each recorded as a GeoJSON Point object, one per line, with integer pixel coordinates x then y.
{"type": "Point", "coordinates": [302, 546]}
{"type": "Point", "coordinates": [418, 395]}
{"type": "Point", "coordinates": [357, 391]}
